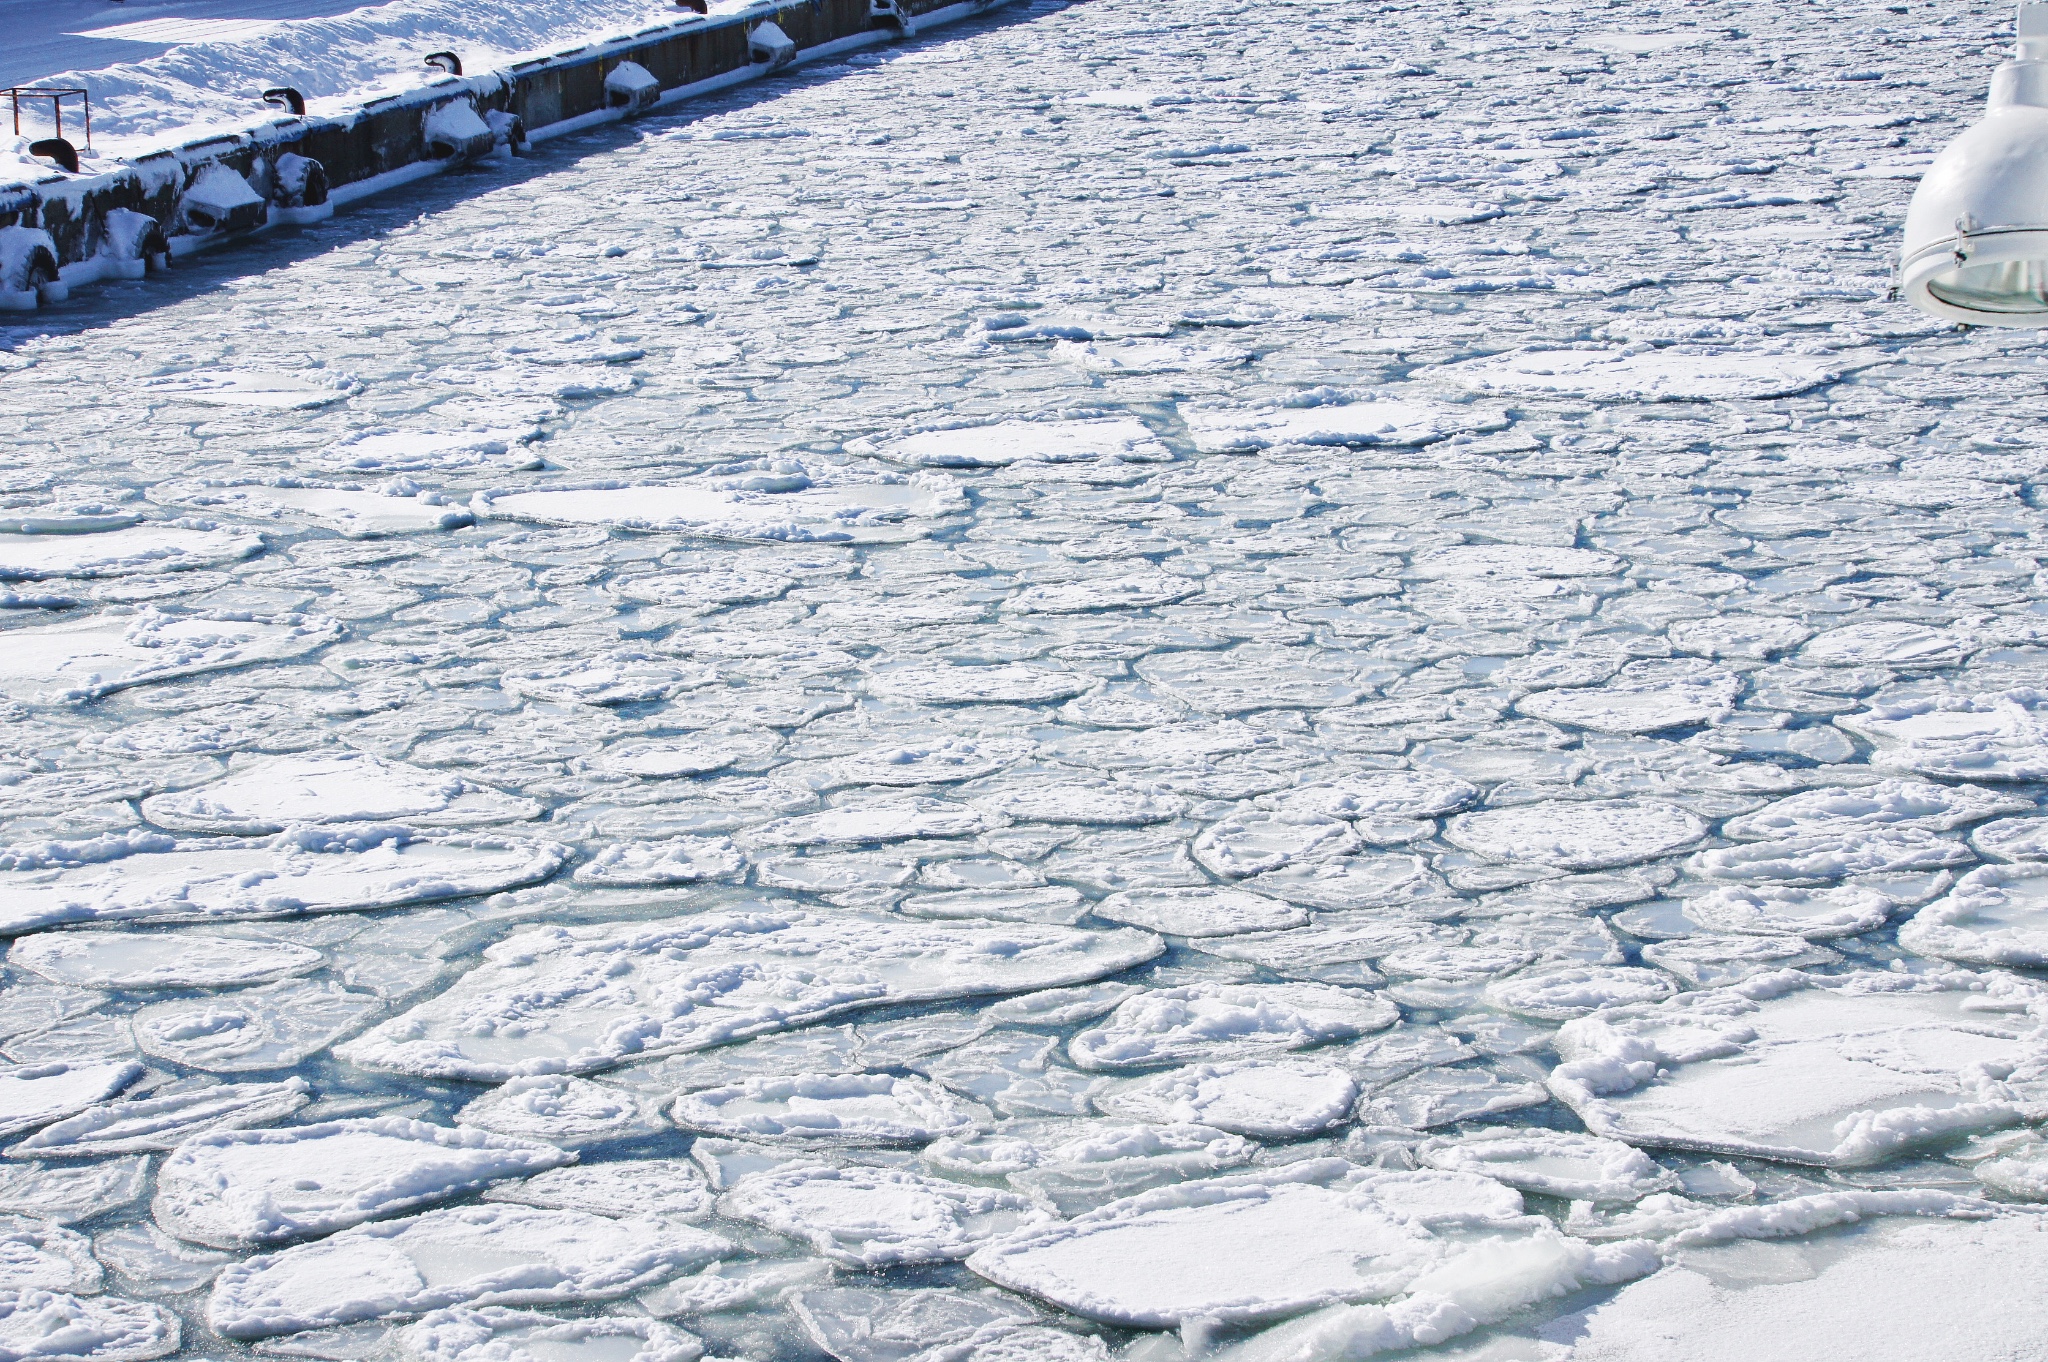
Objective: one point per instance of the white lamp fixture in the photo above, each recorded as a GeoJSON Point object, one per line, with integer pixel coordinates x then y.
{"type": "Point", "coordinates": [1976, 245]}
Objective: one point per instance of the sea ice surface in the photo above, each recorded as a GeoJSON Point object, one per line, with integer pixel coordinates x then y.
{"type": "Point", "coordinates": [1154, 602]}
{"type": "Point", "coordinates": [580, 999]}
{"type": "Point", "coordinates": [124, 960]}
{"type": "Point", "coordinates": [827, 1109]}
{"type": "Point", "coordinates": [1273, 1099]}
{"type": "Point", "coordinates": [1591, 834]}
{"type": "Point", "coordinates": [570, 1112]}
{"type": "Point", "coordinates": [482, 1255]}
{"type": "Point", "coordinates": [243, 1188]}
{"type": "Point", "coordinates": [163, 1122]}
{"type": "Point", "coordinates": [1214, 1023]}
{"type": "Point", "coordinates": [87, 658]}
{"type": "Point", "coordinates": [311, 871]}
{"type": "Point", "coordinates": [1841, 1073]}
{"type": "Point", "coordinates": [871, 1218]}
{"type": "Point", "coordinates": [270, 794]}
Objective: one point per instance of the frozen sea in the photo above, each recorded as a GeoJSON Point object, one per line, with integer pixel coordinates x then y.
{"type": "Point", "coordinates": [1276, 682]}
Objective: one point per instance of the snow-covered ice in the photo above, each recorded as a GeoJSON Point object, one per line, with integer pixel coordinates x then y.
{"type": "Point", "coordinates": [484, 1255]}
{"type": "Point", "coordinates": [1837, 1073]}
{"type": "Point", "coordinates": [274, 793]}
{"type": "Point", "coordinates": [571, 1112]}
{"type": "Point", "coordinates": [580, 999]}
{"type": "Point", "coordinates": [151, 878]}
{"type": "Point", "coordinates": [243, 1188]}
{"type": "Point", "coordinates": [1213, 1023]}
{"type": "Point", "coordinates": [164, 1122]}
{"type": "Point", "coordinates": [825, 1109]}
{"type": "Point", "coordinates": [1177, 651]}
{"type": "Point", "coordinates": [871, 1218]}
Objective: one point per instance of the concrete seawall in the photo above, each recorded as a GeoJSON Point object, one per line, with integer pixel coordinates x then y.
{"type": "Point", "coordinates": [65, 229]}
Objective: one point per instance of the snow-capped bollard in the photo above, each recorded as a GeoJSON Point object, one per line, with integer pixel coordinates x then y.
{"type": "Point", "coordinates": [285, 97]}
{"type": "Point", "coordinates": [218, 201]}
{"type": "Point", "coordinates": [454, 132]}
{"type": "Point", "coordinates": [298, 189]}
{"type": "Point", "coordinates": [767, 44]}
{"type": "Point", "coordinates": [509, 129]}
{"type": "Point", "coordinates": [632, 87]}
{"type": "Point", "coordinates": [446, 61]}
{"type": "Point", "coordinates": [28, 269]}
{"type": "Point", "coordinates": [131, 244]}
{"type": "Point", "coordinates": [56, 149]}
{"type": "Point", "coordinates": [891, 14]}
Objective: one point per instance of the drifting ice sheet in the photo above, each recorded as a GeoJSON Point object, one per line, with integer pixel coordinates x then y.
{"type": "Point", "coordinates": [1244, 1249]}
{"type": "Point", "coordinates": [135, 960]}
{"type": "Point", "coordinates": [241, 1188]}
{"type": "Point", "coordinates": [463, 1335]}
{"type": "Point", "coordinates": [569, 1112]}
{"type": "Point", "coordinates": [272, 1027]}
{"type": "Point", "coordinates": [269, 794]}
{"type": "Point", "coordinates": [852, 1109]}
{"type": "Point", "coordinates": [294, 875]}
{"type": "Point", "coordinates": [1359, 423]}
{"type": "Point", "coordinates": [870, 1218]}
{"type": "Point", "coordinates": [482, 1255]}
{"type": "Point", "coordinates": [157, 1123]}
{"type": "Point", "coordinates": [2001, 735]}
{"type": "Point", "coordinates": [1676, 375]}
{"type": "Point", "coordinates": [1009, 442]}
{"type": "Point", "coordinates": [34, 1095]}
{"type": "Point", "coordinates": [580, 999]}
{"type": "Point", "coordinates": [145, 548]}
{"type": "Point", "coordinates": [1840, 1072]}
{"type": "Point", "coordinates": [1214, 1023]}
{"type": "Point", "coordinates": [1275, 1099]}
{"type": "Point", "coordinates": [88, 658]}
{"type": "Point", "coordinates": [874, 510]}
{"type": "Point", "coordinates": [1591, 834]}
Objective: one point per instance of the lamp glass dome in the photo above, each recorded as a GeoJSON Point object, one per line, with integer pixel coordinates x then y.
{"type": "Point", "coordinates": [2009, 286]}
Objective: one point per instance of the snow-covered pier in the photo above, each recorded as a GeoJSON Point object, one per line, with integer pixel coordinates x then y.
{"type": "Point", "coordinates": [65, 226]}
